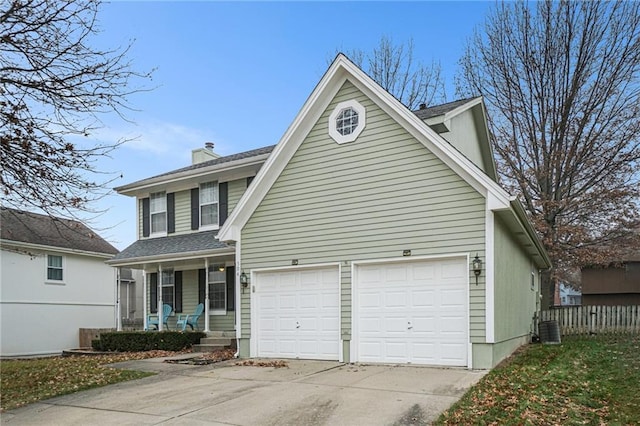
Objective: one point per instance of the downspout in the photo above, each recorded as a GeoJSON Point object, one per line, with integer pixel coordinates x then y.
{"type": "Point", "coordinates": [238, 324]}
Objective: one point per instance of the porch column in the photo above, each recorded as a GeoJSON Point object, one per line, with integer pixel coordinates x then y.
{"type": "Point", "coordinates": [206, 295]}
{"type": "Point", "coordinates": [160, 305]}
{"type": "Point", "coordinates": [145, 326]}
{"type": "Point", "coordinates": [118, 302]}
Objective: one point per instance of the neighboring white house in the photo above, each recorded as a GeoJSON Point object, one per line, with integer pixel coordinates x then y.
{"type": "Point", "coordinates": [569, 296]}
{"type": "Point", "coordinates": [54, 281]}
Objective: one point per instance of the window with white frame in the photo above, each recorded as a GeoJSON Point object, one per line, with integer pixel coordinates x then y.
{"type": "Point", "coordinates": [217, 279]}
{"type": "Point", "coordinates": [347, 121]}
{"type": "Point", "coordinates": [168, 288]}
{"type": "Point", "coordinates": [209, 204]}
{"type": "Point", "coordinates": [158, 211]}
{"type": "Point", "coordinates": [55, 269]}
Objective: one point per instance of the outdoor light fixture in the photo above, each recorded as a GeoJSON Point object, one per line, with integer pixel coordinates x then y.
{"type": "Point", "coordinates": [477, 267]}
{"type": "Point", "coordinates": [221, 268]}
{"type": "Point", "coordinates": [243, 281]}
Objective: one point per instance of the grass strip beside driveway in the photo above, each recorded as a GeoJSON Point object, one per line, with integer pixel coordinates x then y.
{"type": "Point", "coordinates": [24, 381]}
{"type": "Point", "coordinates": [587, 380]}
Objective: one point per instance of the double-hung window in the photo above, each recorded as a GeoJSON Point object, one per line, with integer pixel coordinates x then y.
{"type": "Point", "coordinates": [158, 211]}
{"type": "Point", "coordinates": [168, 288]}
{"type": "Point", "coordinates": [209, 204]}
{"type": "Point", "coordinates": [55, 271]}
{"type": "Point", "coordinates": [217, 279]}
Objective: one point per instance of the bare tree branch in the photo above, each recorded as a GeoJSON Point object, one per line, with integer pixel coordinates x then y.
{"type": "Point", "coordinates": [562, 83]}
{"type": "Point", "coordinates": [53, 87]}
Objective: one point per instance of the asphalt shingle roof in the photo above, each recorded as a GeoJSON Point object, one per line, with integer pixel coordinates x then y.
{"type": "Point", "coordinates": [33, 228]}
{"type": "Point", "coordinates": [175, 244]}
{"type": "Point", "coordinates": [442, 109]}
{"type": "Point", "coordinates": [221, 160]}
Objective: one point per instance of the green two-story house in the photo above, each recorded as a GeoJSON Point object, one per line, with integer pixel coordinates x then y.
{"type": "Point", "coordinates": [369, 233]}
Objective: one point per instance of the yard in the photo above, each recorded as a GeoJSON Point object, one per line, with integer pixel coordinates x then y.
{"type": "Point", "coordinates": [594, 380]}
{"type": "Point", "coordinates": [588, 380]}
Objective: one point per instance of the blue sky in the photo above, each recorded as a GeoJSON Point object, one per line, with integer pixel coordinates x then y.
{"type": "Point", "coordinates": [237, 73]}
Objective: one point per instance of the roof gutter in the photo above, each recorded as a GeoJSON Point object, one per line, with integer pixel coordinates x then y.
{"type": "Point", "coordinates": [521, 214]}
{"type": "Point", "coordinates": [131, 188]}
{"type": "Point", "coordinates": [170, 257]}
{"type": "Point", "coordinates": [65, 250]}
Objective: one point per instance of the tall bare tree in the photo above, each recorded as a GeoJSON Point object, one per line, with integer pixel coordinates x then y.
{"type": "Point", "coordinates": [562, 83]}
{"type": "Point", "coordinates": [394, 67]}
{"type": "Point", "coordinates": [53, 87]}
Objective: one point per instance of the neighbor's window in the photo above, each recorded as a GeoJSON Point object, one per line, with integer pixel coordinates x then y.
{"type": "Point", "coordinates": [347, 121]}
{"type": "Point", "coordinates": [54, 268]}
{"type": "Point", "coordinates": [168, 288]}
{"type": "Point", "coordinates": [209, 204]}
{"type": "Point", "coordinates": [158, 210]}
{"type": "Point", "coordinates": [217, 288]}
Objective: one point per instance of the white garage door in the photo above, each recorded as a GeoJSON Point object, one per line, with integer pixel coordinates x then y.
{"type": "Point", "coordinates": [412, 312]}
{"type": "Point", "coordinates": [297, 314]}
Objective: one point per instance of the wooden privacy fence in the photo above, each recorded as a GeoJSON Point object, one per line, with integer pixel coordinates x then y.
{"type": "Point", "coordinates": [595, 319]}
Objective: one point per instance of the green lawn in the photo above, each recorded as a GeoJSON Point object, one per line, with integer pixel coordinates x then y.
{"type": "Point", "coordinates": [589, 380]}
{"type": "Point", "coordinates": [24, 381]}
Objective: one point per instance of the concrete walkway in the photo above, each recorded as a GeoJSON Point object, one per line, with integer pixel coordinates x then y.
{"type": "Point", "coordinates": [305, 393]}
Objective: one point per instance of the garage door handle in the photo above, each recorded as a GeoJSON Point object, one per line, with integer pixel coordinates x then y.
{"type": "Point", "coordinates": [409, 326]}
{"type": "Point", "coordinates": [297, 324]}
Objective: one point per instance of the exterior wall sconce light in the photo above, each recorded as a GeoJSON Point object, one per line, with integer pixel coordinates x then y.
{"type": "Point", "coordinates": [221, 268]}
{"type": "Point", "coordinates": [477, 267]}
{"type": "Point", "coordinates": [243, 281]}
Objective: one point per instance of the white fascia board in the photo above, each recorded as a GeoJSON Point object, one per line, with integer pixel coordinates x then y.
{"type": "Point", "coordinates": [523, 220]}
{"type": "Point", "coordinates": [306, 118]}
{"type": "Point", "coordinates": [171, 257]}
{"type": "Point", "coordinates": [462, 108]}
{"type": "Point", "coordinates": [146, 184]}
{"type": "Point", "coordinates": [42, 247]}
{"type": "Point", "coordinates": [336, 75]}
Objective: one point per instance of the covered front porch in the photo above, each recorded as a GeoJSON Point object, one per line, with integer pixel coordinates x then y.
{"type": "Point", "coordinates": [182, 272]}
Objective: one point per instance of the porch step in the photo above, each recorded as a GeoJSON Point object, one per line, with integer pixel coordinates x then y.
{"type": "Point", "coordinates": [215, 341]}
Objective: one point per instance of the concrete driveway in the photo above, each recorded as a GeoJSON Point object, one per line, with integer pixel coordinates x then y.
{"type": "Point", "coordinates": [305, 393]}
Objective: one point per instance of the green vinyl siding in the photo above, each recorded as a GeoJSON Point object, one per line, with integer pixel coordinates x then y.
{"type": "Point", "coordinates": [236, 189]}
{"type": "Point", "coordinates": [368, 199]}
{"type": "Point", "coordinates": [190, 301]}
{"type": "Point", "coordinates": [515, 300]}
{"type": "Point", "coordinates": [183, 212]}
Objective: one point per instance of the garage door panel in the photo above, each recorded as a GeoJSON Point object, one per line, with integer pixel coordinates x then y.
{"type": "Point", "coordinates": [304, 320]}
{"type": "Point", "coordinates": [412, 312]}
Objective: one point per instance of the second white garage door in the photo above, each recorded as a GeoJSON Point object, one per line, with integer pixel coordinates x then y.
{"type": "Point", "coordinates": [412, 312]}
{"type": "Point", "coordinates": [297, 314]}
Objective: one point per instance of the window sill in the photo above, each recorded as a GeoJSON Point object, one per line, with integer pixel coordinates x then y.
{"type": "Point", "coordinates": [217, 313]}
{"type": "Point", "coordinates": [157, 235]}
{"type": "Point", "coordinates": [209, 228]}
{"type": "Point", "coordinates": [48, 282]}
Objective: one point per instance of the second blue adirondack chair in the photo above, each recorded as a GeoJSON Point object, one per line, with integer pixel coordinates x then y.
{"type": "Point", "coordinates": [153, 319]}
{"type": "Point", "coordinates": [190, 320]}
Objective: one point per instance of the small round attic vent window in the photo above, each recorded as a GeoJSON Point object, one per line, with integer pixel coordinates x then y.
{"type": "Point", "coordinates": [347, 121]}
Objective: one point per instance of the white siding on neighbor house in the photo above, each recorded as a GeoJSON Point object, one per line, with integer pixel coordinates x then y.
{"type": "Point", "coordinates": [42, 318]}
{"type": "Point", "coordinates": [369, 199]}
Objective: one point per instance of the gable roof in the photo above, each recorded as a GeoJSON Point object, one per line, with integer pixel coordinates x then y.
{"type": "Point", "coordinates": [32, 228]}
{"type": "Point", "coordinates": [341, 70]}
{"type": "Point", "coordinates": [218, 164]}
{"type": "Point", "coordinates": [442, 109]}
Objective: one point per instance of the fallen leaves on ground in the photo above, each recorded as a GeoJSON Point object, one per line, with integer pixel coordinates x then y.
{"type": "Point", "coordinates": [277, 363]}
{"type": "Point", "coordinates": [24, 381]}
{"type": "Point", "coordinates": [590, 380]}
{"type": "Point", "coordinates": [205, 358]}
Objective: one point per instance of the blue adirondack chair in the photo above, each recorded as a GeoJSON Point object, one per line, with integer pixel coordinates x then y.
{"type": "Point", "coordinates": [153, 319]}
{"type": "Point", "coordinates": [190, 320]}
